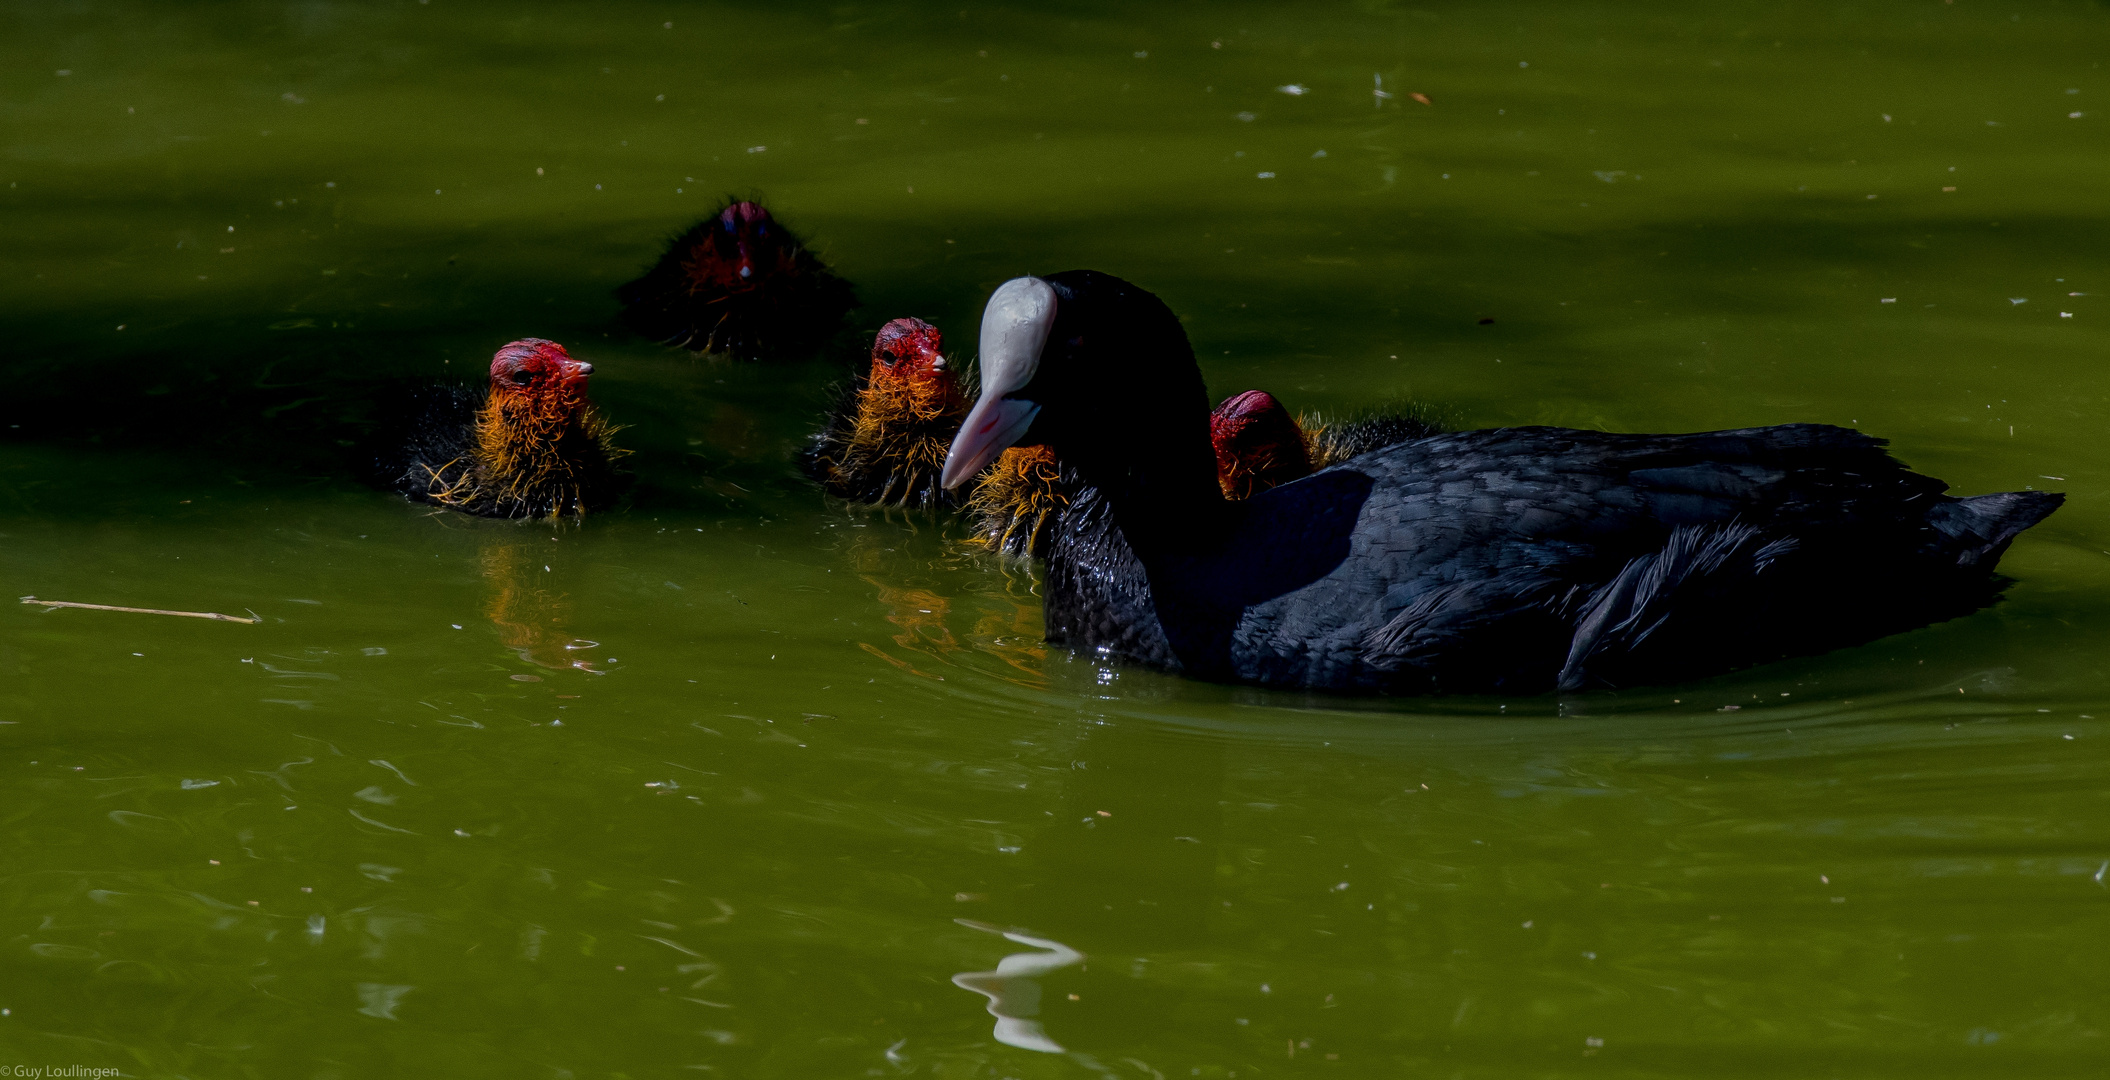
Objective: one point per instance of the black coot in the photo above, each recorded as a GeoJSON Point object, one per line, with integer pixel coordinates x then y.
{"type": "Point", "coordinates": [1515, 560]}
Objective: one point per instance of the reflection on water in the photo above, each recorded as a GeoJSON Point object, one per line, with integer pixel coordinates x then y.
{"type": "Point", "coordinates": [532, 615]}
{"type": "Point", "coordinates": [1013, 988]}
{"type": "Point", "coordinates": [909, 576]}
{"type": "Point", "coordinates": [920, 616]}
{"type": "Point", "coordinates": [1012, 627]}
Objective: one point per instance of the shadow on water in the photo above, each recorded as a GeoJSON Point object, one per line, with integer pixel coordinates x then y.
{"type": "Point", "coordinates": [276, 394]}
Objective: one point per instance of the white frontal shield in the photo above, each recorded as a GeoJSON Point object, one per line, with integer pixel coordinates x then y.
{"type": "Point", "coordinates": [1015, 329]}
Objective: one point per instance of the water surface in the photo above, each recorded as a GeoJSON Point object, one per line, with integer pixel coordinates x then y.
{"type": "Point", "coordinates": [744, 783]}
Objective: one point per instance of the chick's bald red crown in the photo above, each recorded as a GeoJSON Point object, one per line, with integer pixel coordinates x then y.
{"type": "Point", "coordinates": [537, 366]}
{"type": "Point", "coordinates": [1253, 418]}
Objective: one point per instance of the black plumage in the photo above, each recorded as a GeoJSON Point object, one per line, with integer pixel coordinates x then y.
{"type": "Point", "coordinates": [1514, 560]}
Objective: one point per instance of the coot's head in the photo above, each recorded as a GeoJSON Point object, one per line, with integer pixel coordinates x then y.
{"type": "Point", "coordinates": [908, 349]}
{"type": "Point", "coordinates": [1092, 366]}
{"type": "Point", "coordinates": [1258, 444]}
{"type": "Point", "coordinates": [541, 372]}
{"type": "Point", "coordinates": [743, 249]}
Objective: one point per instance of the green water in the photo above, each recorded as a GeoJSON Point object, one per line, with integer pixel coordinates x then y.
{"type": "Point", "coordinates": [813, 760]}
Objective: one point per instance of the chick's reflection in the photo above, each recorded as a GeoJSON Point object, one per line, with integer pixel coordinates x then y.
{"type": "Point", "coordinates": [532, 614]}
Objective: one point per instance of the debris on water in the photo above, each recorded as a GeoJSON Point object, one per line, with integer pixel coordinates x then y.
{"type": "Point", "coordinates": [2018, 300]}
{"type": "Point", "coordinates": [214, 615]}
{"type": "Point", "coordinates": [1293, 90]}
{"type": "Point", "coordinates": [525, 678]}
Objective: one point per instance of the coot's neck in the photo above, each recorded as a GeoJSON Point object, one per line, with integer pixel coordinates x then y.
{"type": "Point", "coordinates": [1159, 481]}
{"type": "Point", "coordinates": [1123, 548]}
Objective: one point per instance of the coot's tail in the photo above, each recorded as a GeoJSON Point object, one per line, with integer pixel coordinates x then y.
{"type": "Point", "coordinates": [1980, 527]}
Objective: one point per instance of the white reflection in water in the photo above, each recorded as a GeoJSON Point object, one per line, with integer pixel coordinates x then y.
{"type": "Point", "coordinates": [380, 999]}
{"type": "Point", "coordinates": [1012, 989]}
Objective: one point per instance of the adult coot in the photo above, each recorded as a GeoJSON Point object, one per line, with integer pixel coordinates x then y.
{"type": "Point", "coordinates": [739, 283]}
{"type": "Point", "coordinates": [1511, 560]}
{"type": "Point", "coordinates": [527, 445]}
{"type": "Point", "coordinates": [886, 441]}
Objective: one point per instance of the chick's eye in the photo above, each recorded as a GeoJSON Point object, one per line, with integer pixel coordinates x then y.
{"type": "Point", "coordinates": [523, 377]}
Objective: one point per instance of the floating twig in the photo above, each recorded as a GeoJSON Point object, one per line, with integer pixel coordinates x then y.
{"type": "Point", "coordinates": [141, 610]}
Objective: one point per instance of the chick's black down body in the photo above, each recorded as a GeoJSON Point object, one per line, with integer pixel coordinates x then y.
{"type": "Point", "coordinates": [426, 430]}
{"type": "Point", "coordinates": [1516, 560]}
{"type": "Point", "coordinates": [425, 449]}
